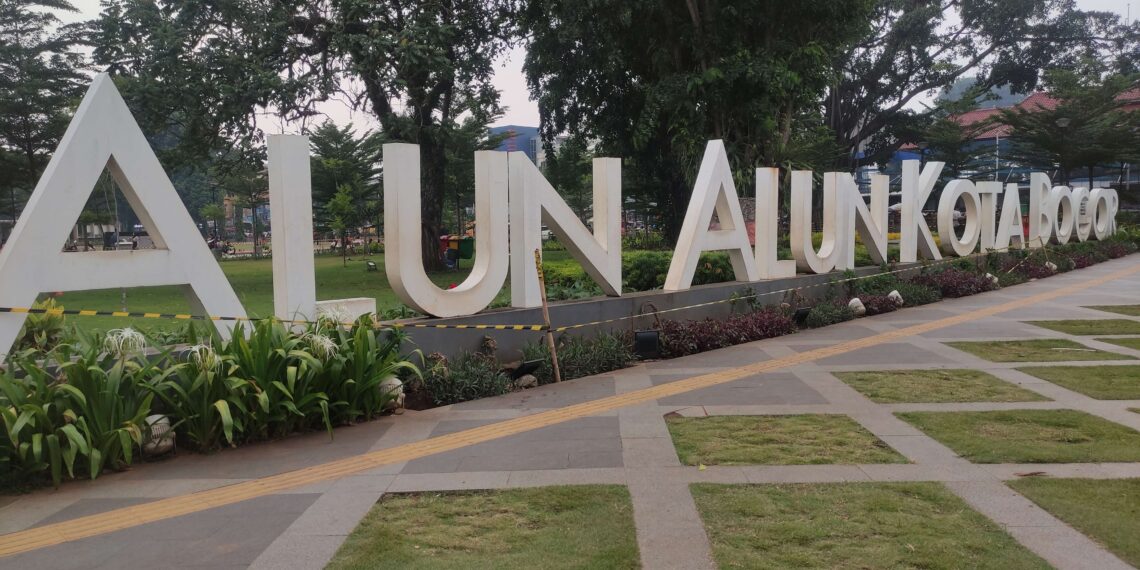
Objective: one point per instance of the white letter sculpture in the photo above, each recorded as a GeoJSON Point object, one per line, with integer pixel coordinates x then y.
{"type": "Point", "coordinates": [915, 236]}
{"type": "Point", "coordinates": [1041, 216]}
{"type": "Point", "coordinates": [402, 234]}
{"type": "Point", "coordinates": [837, 217]}
{"type": "Point", "coordinates": [1010, 228]}
{"type": "Point", "coordinates": [713, 190]}
{"type": "Point", "coordinates": [103, 134]}
{"type": "Point", "coordinates": [870, 223]}
{"type": "Point", "coordinates": [533, 202]}
{"type": "Point", "coordinates": [768, 205]}
{"type": "Point", "coordinates": [291, 216]}
{"type": "Point", "coordinates": [972, 232]}
{"type": "Point", "coordinates": [1064, 213]}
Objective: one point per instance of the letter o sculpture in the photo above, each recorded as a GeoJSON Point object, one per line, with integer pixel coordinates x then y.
{"type": "Point", "coordinates": [972, 233]}
{"type": "Point", "coordinates": [1064, 217]}
{"type": "Point", "coordinates": [1100, 214]}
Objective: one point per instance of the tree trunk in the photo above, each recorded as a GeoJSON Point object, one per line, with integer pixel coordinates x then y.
{"type": "Point", "coordinates": [431, 201]}
{"type": "Point", "coordinates": [679, 194]}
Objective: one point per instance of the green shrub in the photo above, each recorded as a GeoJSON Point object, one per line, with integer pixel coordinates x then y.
{"type": "Point", "coordinates": [646, 270]}
{"type": "Point", "coordinates": [828, 313]}
{"type": "Point", "coordinates": [353, 376]}
{"type": "Point", "coordinates": [90, 416]}
{"type": "Point", "coordinates": [913, 294]}
{"type": "Point", "coordinates": [110, 394]}
{"type": "Point", "coordinates": [644, 241]}
{"type": "Point", "coordinates": [582, 356]}
{"type": "Point", "coordinates": [471, 376]}
{"type": "Point", "coordinates": [563, 272]}
{"type": "Point", "coordinates": [42, 330]}
{"type": "Point", "coordinates": [42, 433]}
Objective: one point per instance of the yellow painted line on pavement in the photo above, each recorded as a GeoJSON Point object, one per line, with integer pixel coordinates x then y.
{"type": "Point", "coordinates": [138, 515]}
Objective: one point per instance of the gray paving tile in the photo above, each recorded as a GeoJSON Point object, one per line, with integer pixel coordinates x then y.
{"type": "Point", "coordinates": [267, 458]}
{"type": "Point", "coordinates": [890, 353]}
{"type": "Point", "coordinates": [761, 389]}
{"type": "Point", "coordinates": [545, 448]}
{"type": "Point", "coordinates": [567, 393]}
{"type": "Point", "coordinates": [709, 361]}
{"type": "Point", "coordinates": [85, 507]}
{"type": "Point", "coordinates": [226, 536]}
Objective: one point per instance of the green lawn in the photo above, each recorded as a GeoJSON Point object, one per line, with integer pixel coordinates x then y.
{"type": "Point", "coordinates": [1030, 436]}
{"type": "Point", "coordinates": [806, 439]}
{"type": "Point", "coordinates": [853, 525]}
{"type": "Point", "coordinates": [1091, 326]}
{"type": "Point", "coordinates": [1130, 310]}
{"type": "Point", "coordinates": [252, 280]}
{"type": "Point", "coordinates": [1042, 350]}
{"type": "Point", "coordinates": [1133, 343]}
{"type": "Point", "coordinates": [1100, 382]}
{"type": "Point", "coordinates": [935, 386]}
{"type": "Point", "coordinates": [1106, 510]}
{"type": "Point", "coordinates": [587, 526]}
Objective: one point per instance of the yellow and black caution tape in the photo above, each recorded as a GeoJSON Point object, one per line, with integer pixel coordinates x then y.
{"type": "Point", "coordinates": [505, 327]}
{"type": "Point", "coordinates": [187, 317]}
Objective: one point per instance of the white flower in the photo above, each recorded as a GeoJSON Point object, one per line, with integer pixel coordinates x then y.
{"type": "Point", "coordinates": [337, 315]}
{"type": "Point", "coordinates": [322, 346]}
{"type": "Point", "coordinates": [123, 342]}
{"type": "Point", "coordinates": [204, 357]}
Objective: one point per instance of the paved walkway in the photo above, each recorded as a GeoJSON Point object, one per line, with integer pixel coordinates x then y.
{"type": "Point", "coordinates": [626, 443]}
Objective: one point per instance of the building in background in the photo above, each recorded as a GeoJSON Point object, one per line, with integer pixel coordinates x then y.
{"type": "Point", "coordinates": [520, 139]}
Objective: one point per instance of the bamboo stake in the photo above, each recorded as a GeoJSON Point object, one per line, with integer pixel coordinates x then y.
{"type": "Point", "coordinates": [546, 316]}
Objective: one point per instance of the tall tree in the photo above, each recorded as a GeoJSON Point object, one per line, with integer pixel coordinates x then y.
{"type": "Point", "coordinates": [1087, 128]}
{"type": "Point", "coordinates": [213, 64]}
{"type": "Point", "coordinates": [915, 47]}
{"type": "Point", "coordinates": [472, 135]}
{"type": "Point", "coordinates": [341, 157]}
{"type": "Point", "coordinates": [944, 136]}
{"type": "Point", "coordinates": [40, 79]}
{"type": "Point", "coordinates": [344, 215]}
{"type": "Point", "coordinates": [652, 81]}
{"type": "Point", "coordinates": [568, 169]}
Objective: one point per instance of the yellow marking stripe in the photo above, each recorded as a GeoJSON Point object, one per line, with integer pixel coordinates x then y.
{"type": "Point", "coordinates": [88, 313]}
{"type": "Point", "coordinates": [138, 515]}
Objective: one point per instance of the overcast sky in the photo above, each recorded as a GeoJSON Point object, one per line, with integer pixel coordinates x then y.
{"type": "Point", "coordinates": [509, 79]}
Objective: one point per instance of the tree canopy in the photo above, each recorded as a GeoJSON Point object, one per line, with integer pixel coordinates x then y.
{"type": "Point", "coordinates": [913, 48]}
{"type": "Point", "coordinates": [653, 81]}
{"type": "Point", "coordinates": [1087, 128]}
{"type": "Point", "coordinates": [40, 79]}
{"type": "Point", "coordinates": [206, 68]}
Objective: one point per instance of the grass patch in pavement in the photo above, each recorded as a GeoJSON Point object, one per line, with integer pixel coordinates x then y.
{"type": "Point", "coordinates": [1100, 382]}
{"type": "Point", "coordinates": [1030, 436]}
{"type": "Point", "coordinates": [1130, 310]}
{"type": "Point", "coordinates": [1108, 510]}
{"type": "Point", "coordinates": [1088, 327]}
{"type": "Point", "coordinates": [1133, 343]}
{"type": "Point", "coordinates": [808, 439]}
{"type": "Point", "coordinates": [587, 526]}
{"type": "Point", "coordinates": [1040, 350]}
{"type": "Point", "coordinates": [934, 386]}
{"type": "Point", "coordinates": [852, 525]}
